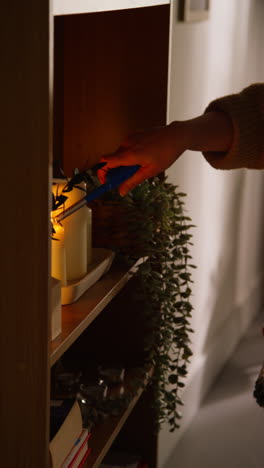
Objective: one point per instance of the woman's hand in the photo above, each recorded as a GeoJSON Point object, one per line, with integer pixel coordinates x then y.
{"type": "Point", "coordinates": [154, 151]}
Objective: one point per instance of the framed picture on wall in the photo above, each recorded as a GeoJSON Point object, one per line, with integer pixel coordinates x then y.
{"type": "Point", "coordinates": [194, 10]}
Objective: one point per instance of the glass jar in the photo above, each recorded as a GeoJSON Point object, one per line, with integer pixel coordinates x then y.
{"type": "Point", "coordinates": [91, 396]}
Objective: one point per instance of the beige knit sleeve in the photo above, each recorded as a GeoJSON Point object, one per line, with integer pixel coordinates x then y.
{"type": "Point", "coordinates": [246, 110]}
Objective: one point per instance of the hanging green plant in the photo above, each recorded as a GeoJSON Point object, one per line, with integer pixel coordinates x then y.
{"type": "Point", "coordinates": [151, 223]}
{"type": "Point", "coordinates": [165, 279]}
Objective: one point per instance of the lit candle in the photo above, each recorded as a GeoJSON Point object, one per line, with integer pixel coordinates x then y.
{"type": "Point", "coordinates": [76, 232]}
{"type": "Point", "coordinates": [58, 257]}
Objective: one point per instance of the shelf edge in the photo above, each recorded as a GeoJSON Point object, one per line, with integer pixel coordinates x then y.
{"type": "Point", "coordinates": [70, 7]}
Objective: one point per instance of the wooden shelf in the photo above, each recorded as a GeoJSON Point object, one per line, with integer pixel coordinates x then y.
{"type": "Point", "coordinates": [71, 7]}
{"type": "Point", "coordinates": [78, 316]}
{"type": "Point", "coordinates": [103, 435]}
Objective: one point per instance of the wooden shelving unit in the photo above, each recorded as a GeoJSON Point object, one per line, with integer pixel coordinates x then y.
{"type": "Point", "coordinates": [109, 82]}
{"type": "Point", "coordinates": [78, 316]}
{"type": "Point", "coordinates": [78, 77]}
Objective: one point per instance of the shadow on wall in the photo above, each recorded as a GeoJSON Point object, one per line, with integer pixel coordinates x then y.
{"type": "Point", "coordinates": [246, 43]}
{"type": "Point", "coordinates": [229, 428]}
{"type": "Point", "coordinates": [188, 68]}
{"type": "Point", "coordinates": [210, 59]}
{"type": "Point", "coordinates": [238, 274]}
{"type": "Point", "coordinates": [231, 272]}
{"type": "Point", "coordinates": [223, 280]}
{"type": "Point", "coordinates": [241, 24]}
{"type": "Point", "coordinates": [244, 368]}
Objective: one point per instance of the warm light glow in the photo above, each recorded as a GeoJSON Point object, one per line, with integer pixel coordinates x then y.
{"type": "Point", "coordinates": [58, 256]}
{"type": "Point", "coordinates": [77, 232]}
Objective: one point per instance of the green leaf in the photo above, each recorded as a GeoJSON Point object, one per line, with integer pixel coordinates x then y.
{"type": "Point", "coordinates": [157, 275]}
{"type": "Point", "coordinates": [181, 384]}
{"type": "Point", "coordinates": [169, 396]}
{"type": "Point", "coordinates": [173, 378]}
{"type": "Point", "coordinates": [144, 268]}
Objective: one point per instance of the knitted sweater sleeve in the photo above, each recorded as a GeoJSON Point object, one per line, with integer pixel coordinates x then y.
{"type": "Point", "coordinates": [246, 110]}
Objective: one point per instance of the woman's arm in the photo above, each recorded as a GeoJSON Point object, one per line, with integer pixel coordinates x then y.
{"type": "Point", "coordinates": [212, 131]}
{"type": "Point", "coordinates": [159, 148]}
{"type": "Point", "coordinates": [230, 134]}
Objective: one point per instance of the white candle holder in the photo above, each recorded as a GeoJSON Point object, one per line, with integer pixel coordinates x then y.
{"type": "Point", "coordinates": [102, 260]}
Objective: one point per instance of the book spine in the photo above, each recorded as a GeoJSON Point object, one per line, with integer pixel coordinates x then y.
{"type": "Point", "coordinates": [84, 458]}
{"type": "Point", "coordinates": [76, 455]}
{"type": "Point", "coordinates": [80, 442]}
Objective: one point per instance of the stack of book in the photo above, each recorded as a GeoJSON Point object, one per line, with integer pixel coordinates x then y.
{"type": "Point", "coordinates": [68, 440]}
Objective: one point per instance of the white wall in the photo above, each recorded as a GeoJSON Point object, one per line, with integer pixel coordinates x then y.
{"type": "Point", "coordinates": [209, 59]}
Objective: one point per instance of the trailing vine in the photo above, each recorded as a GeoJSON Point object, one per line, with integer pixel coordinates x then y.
{"type": "Point", "coordinates": [155, 211]}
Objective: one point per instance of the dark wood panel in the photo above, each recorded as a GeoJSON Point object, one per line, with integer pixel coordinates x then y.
{"type": "Point", "coordinates": [115, 79]}
{"type": "Point", "coordinates": [25, 232]}
{"type": "Point", "coordinates": [58, 101]}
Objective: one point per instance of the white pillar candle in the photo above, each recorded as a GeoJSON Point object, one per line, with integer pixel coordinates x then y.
{"type": "Point", "coordinates": [75, 227]}
{"type": "Point", "coordinates": [58, 257]}
{"type": "Point", "coordinates": [75, 230]}
{"type": "Point", "coordinates": [89, 236]}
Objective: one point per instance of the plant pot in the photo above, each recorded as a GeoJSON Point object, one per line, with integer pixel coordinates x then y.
{"type": "Point", "coordinates": [111, 229]}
